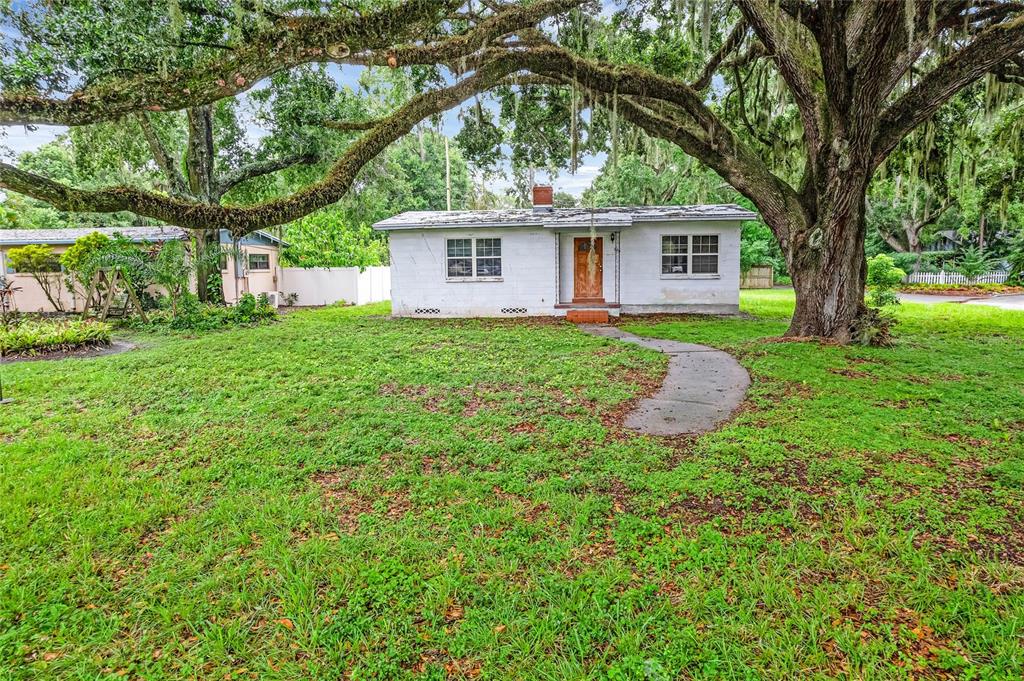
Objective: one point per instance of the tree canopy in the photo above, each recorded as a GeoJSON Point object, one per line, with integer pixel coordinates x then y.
{"type": "Point", "coordinates": [794, 103]}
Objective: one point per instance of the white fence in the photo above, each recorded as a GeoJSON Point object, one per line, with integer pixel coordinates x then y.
{"type": "Point", "coordinates": [327, 285]}
{"type": "Point", "coordinates": [955, 278]}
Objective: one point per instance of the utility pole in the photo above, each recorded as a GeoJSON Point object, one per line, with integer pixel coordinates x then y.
{"type": "Point", "coordinates": [448, 172]}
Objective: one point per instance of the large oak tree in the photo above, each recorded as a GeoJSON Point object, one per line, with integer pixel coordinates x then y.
{"type": "Point", "coordinates": [859, 76]}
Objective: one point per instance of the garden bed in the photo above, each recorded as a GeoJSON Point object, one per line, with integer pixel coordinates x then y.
{"type": "Point", "coordinates": [961, 289]}
{"type": "Point", "coordinates": [36, 337]}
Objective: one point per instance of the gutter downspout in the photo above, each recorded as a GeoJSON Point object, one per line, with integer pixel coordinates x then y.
{"type": "Point", "coordinates": [558, 267]}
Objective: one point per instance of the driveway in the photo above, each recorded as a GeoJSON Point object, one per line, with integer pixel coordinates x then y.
{"type": "Point", "coordinates": [1013, 302]}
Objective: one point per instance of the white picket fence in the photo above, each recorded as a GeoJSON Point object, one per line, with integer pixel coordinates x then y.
{"type": "Point", "coordinates": [955, 278]}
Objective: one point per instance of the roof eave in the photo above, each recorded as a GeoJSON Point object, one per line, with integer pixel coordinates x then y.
{"type": "Point", "coordinates": [381, 227]}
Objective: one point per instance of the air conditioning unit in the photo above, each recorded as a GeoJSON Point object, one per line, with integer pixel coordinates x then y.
{"type": "Point", "coordinates": [274, 298]}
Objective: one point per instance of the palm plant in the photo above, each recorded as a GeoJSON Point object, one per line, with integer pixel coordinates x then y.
{"type": "Point", "coordinates": [973, 263]}
{"type": "Point", "coordinates": [1015, 258]}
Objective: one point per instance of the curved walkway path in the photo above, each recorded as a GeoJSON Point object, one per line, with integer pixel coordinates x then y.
{"type": "Point", "coordinates": [702, 389]}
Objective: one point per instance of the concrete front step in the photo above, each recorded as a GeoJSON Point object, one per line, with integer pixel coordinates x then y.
{"type": "Point", "coordinates": [587, 316]}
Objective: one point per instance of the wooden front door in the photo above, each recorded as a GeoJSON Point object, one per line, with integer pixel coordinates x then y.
{"type": "Point", "coordinates": [588, 270]}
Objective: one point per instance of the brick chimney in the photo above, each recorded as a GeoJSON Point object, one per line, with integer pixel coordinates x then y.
{"type": "Point", "coordinates": [542, 198]}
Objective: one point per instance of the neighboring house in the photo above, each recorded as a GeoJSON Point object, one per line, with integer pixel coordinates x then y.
{"type": "Point", "coordinates": [257, 265]}
{"type": "Point", "coordinates": [946, 241]}
{"type": "Point", "coordinates": [587, 263]}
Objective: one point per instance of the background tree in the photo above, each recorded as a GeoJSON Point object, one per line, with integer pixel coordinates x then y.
{"type": "Point", "coordinates": [812, 97]}
{"type": "Point", "coordinates": [42, 263]}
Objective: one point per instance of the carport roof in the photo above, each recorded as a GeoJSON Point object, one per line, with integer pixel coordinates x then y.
{"type": "Point", "coordinates": [601, 218]}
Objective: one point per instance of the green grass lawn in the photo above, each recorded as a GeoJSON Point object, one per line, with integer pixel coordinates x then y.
{"type": "Point", "coordinates": [343, 495]}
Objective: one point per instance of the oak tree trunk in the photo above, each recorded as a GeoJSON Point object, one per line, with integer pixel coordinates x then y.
{"type": "Point", "coordinates": [199, 162]}
{"type": "Point", "coordinates": [827, 264]}
{"type": "Point", "coordinates": [207, 242]}
{"type": "Point", "coordinates": [829, 293]}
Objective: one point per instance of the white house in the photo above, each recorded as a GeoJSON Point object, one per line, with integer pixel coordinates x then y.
{"type": "Point", "coordinates": [587, 263]}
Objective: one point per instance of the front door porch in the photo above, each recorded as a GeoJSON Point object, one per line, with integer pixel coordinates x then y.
{"type": "Point", "coordinates": [588, 277]}
{"type": "Point", "coordinates": [588, 269]}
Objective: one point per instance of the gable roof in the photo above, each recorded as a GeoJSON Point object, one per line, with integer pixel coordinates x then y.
{"type": "Point", "coordinates": [22, 237]}
{"type": "Point", "coordinates": [564, 217]}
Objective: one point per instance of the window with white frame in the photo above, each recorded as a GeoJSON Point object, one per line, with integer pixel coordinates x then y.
{"type": "Point", "coordinates": [259, 261]}
{"type": "Point", "coordinates": [685, 255]}
{"type": "Point", "coordinates": [473, 258]}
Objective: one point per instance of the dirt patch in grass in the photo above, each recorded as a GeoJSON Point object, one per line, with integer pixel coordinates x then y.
{"type": "Point", "coordinates": [647, 385]}
{"type": "Point", "coordinates": [437, 465]}
{"type": "Point", "coordinates": [600, 549]}
{"type": "Point", "coordinates": [847, 372]}
{"type": "Point", "coordinates": [454, 668]}
{"type": "Point", "coordinates": [350, 505]}
{"type": "Point", "coordinates": [687, 514]}
{"type": "Point", "coordinates": [526, 508]}
{"type": "Point", "coordinates": [918, 648]}
{"type": "Point", "coordinates": [155, 535]}
{"type": "Point", "coordinates": [523, 428]}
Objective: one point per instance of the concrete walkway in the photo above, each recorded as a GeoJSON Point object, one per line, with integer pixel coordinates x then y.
{"type": "Point", "coordinates": [703, 387]}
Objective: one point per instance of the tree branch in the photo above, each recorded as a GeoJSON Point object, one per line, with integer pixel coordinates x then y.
{"type": "Point", "coordinates": [743, 169]}
{"type": "Point", "coordinates": [166, 161]}
{"type": "Point", "coordinates": [476, 41]}
{"type": "Point", "coordinates": [992, 47]}
{"type": "Point", "coordinates": [254, 170]}
{"type": "Point", "coordinates": [731, 43]}
{"type": "Point", "coordinates": [291, 42]}
{"type": "Point", "coordinates": [798, 65]}
{"type": "Point", "coordinates": [243, 220]}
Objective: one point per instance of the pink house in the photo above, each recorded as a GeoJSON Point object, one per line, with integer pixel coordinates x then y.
{"type": "Point", "coordinates": [256, 269]}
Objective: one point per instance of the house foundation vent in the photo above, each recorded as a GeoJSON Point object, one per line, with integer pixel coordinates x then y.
{"type": "Point", "coordinates": [427, 310]}
{"type": "Point", "coordinates": [513, 310]}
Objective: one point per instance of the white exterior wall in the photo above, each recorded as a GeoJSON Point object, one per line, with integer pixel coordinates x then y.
{"type": "Point", "coordinates": [645, 289]}
{"type": "Point", "coordinates": [537, 272]}
{"type": "Point", "coordinates": [328, 285]}
{"type": "Point", "coordinates": [419, 274]}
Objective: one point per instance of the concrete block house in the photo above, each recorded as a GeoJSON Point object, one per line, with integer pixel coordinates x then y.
{"type": "Point", "coordinates": [584, 263]}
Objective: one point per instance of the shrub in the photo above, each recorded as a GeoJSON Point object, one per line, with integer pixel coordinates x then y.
{"type": "Point", "coordinates": [965, 289]}
{"type": "Point", "coordinates": [44, 266]}
{"type": "Point", "coordinates": [31, 337]}
{"type": "Point", "coordinates": [873, 327]}
{"type": "Point", "coordinates": [883, 279]}
{"type": "Point", "coordinates": [1015, 258]}
{"type": "Point", "coordinates": [973, 263]}
{"type": "Point", "coordinates": [80, 260]}
{"type": "Point", "coordinates": [324, 239]}
{"type": "Point", "coordinates": [193, 315]}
